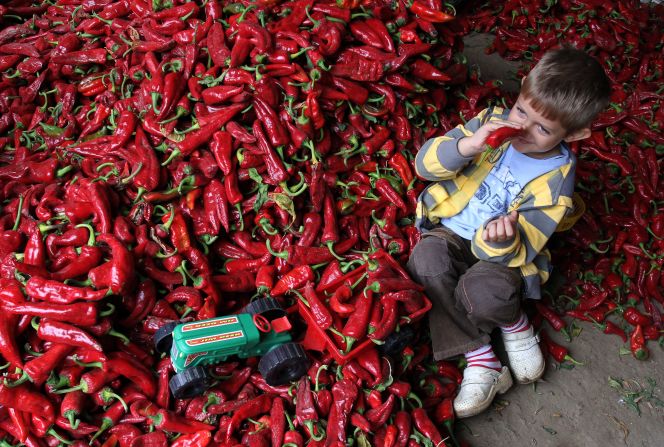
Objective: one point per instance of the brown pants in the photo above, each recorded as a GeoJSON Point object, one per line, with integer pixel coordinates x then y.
{"type": "Point", "coordinates": [470, 297]}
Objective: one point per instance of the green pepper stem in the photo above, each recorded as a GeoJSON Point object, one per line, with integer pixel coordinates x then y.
{"type": "Point", "coordinates": [21, 380]}
{"type": "Point", "coordinates": [73, 420]}
{"type": "Point", "coordinates": [121, 336]}
{"type": "Point", "coordinates": [17, 220]}
{"type": "Point", "coordinates": [280, 254]}
{"type": "Point", "coordinates": [110, 309]}
{"type": "Point", "coordinates": [57, 436]}
{"type": "Point", "coordinates": [330, 246]}
{"type": "Point", "coordinates": [91, 238]}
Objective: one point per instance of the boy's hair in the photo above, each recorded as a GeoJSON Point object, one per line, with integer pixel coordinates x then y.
{"type": "Point", "coordinates": [569, 86]}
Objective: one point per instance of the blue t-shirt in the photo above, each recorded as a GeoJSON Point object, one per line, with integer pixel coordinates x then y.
{"type": "Point", "coordinates": [500, 187]}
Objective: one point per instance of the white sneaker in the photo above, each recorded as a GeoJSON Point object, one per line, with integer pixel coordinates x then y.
{"type": "Point", "coordinates": [478, 388]}
{"type": "Point", "coordinates": [525, 356]}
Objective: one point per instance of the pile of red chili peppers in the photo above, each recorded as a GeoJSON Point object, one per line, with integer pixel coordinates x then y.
{"type": "Point", "coordinates": [170, 160]}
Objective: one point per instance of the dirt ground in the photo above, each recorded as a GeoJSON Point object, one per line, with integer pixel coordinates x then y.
{"type": "Point", "coordinates": [611, 400]}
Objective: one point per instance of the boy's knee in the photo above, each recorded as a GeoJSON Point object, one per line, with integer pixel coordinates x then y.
{"type": "Point", "coordinates": [430, 257]}
{"type": "Point", "coordinates": [490, 294]}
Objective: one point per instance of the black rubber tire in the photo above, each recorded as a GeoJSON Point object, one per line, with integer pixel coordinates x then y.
{"type": "Point", "coordinates": [397, 341]}
{"type": "Point", "coordinates": [191, 382]}
{"type": "Point", "coordinates": [163, 338]}
{"type": "Point", "coordinates": [267, 307]}
{"type": "Point", "coordinates": [284, 364]}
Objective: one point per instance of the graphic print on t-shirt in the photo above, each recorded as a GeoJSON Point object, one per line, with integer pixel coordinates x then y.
{"type": "Point", "coordinates": [496, 192]}
{"type": "Point", "coordinates": [500, 189]}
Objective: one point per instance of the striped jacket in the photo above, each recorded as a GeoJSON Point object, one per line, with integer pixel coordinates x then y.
{"type": "Point", "coordinates": [541, 204]}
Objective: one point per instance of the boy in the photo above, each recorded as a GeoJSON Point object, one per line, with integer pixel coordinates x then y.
{"type": "Point", "coordinates": [486, 221]}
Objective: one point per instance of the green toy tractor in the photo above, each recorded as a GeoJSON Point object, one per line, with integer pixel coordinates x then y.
{"type": "Point", "coordinates": [260, 329]}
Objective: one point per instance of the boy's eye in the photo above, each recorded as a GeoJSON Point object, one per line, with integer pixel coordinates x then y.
{"type": "Point", "coordinates": [543, 130]}
{"type": "Point", "coordinates": [520, 110]}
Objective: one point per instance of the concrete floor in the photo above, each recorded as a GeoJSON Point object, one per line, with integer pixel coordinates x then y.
{"type": "Point", "coordinates": [579, 407]}
{"type": "Point", "coordinates": [572, 407]}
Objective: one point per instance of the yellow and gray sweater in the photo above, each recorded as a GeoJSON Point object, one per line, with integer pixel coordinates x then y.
{"type": "Point", "coordinates": [541, 205]}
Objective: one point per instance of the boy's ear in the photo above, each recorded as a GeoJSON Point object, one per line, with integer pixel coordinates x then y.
{"type": "Point", "coordinates": [577, 135]}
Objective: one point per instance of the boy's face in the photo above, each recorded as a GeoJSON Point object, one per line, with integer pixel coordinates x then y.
{"type": "Point", "coordinates": [540, 136]}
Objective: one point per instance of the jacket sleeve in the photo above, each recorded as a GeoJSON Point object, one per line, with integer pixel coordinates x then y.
{"type": "Point", "coordinates": [439, 158]}
{"type": "Point", "coordinates": [538, 219]}
{"type": "Point", "coordinates": [534, 228]}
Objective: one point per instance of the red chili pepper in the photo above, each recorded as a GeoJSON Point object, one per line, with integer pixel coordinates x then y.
{"type": "Point", "coordinates": [58, 332]}
{"type": "Point", "coordinates": [59, 293]}
{"type": "Point", "coordinates": [277, 422]}
{"type": "Point", "coordinates": [430, 14]}
{"type": "Point", "coordinates": [81, 314]}
{"type": "Point", "coordinates": [356, 325]}
{"type": "Point", "coordinates": [129, 367]}
{"type": "Point", "coordinates": [38, 369]}
{"type": "Point", "coordinates": [167, 421]}
{"type": "Point", "coordinates": [595, 300]}
{"type": "Point", "coordinates": [72, 407]}
{"type": "Point", "coordinates": [402, 421]}
{"type": "Point", "coordinates": [249, 409]}
{"type": "Point", "coordinates": [609, 327]}
{"type": "Point", "coordinates": [118, 273]}
{"type": "Point", "coordinates": [208, 127]}
{"type": "Point", "coordinates": [636, 318]}
{"type": "Point", "coordinates": [22, 398]}
{"type": "Point", "coordinates": [553, 318]}
{"type": "Point", "coordinates": [424, 70]}
{"type": "Point", "coordinates": [426, 426]}
{"type": "Point", "coordinates": [84, 57]}
{"type": "Point", "coordinates": [319, 310]}
{"type": "Point", "coordinates": [294, 279]}
{"type": "Point", "coordinates": [344, 393]}
{"type": "Point", "coordinates": [305, 410]}
{"type": "Point", "coordinates": [198, 439]}
{"type": "Point", "coordinates": [388, 321]}
{"type": "Point", "coordinates": [444, 414]}
{"type": "Point", "coordinates": [378, 416]}
{"type": "Point", "coordinates": [10, 291]}
{"type": "Point", "coordinates": [337, 305]}
{"type": "Point", "coordinates": [230, 387]}
{"type": "Point", "coordinates": [20, 421]}
{"type": "Point", "coordinates": [637, 344]}
{"type": "Point", "coordinates": [558, 352]}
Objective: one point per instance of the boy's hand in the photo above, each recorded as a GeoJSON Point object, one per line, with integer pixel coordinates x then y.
{"type": "Point", "coordinates": [474, 144]}
{"type": "Point", "coordinates": [501, 229]}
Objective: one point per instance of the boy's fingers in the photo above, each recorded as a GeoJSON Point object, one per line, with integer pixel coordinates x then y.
{"type": "Point", "coordinates": [500, 230]}
{"type": "Point", "coordinates": [513, 216]}
{"type": "Point", "coordinates": [509, 230]}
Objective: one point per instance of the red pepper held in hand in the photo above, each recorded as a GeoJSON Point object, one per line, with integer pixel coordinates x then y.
{"type": "Point", "coordinates": [497, 138]}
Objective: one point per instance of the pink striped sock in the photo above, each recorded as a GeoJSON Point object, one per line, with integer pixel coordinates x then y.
{"type": "Point", "coordinates": [521, 325]}
{"type": "Point", "coordinates": [484, 357]}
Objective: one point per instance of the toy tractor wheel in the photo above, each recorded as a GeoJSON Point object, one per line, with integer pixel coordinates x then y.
{"type": "Point", "coordinates": [163, 338]}
{"type": "Point", "coordinates": [283, 364]}
{"type": "Point", "coordinates": [395, 343]}
{"type": "Point", "coordinates": [191, 382]}
{"type": "Point", "coordinates": [267, 307]}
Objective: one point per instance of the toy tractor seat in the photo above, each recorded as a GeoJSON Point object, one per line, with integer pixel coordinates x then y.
{"type": "Point", "coordinates": [267, 307]}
